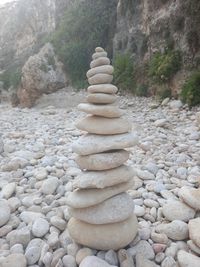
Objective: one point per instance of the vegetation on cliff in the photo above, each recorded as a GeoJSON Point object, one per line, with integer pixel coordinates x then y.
{"type": "Point", "coordinates": [84, 26]}
{"type": "Point", "coordinates": [11, 78]}
{"type": "Point", "coordinates": [191, 90]}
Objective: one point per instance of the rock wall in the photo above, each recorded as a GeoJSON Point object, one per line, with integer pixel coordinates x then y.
{"type": "Point", "coordinates": [146, 26]}
{"type": "Point", "coordinates": [23, 27]}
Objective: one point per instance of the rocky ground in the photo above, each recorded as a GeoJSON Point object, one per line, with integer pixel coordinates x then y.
{"type": "Point", "coordinates": [36, 167]}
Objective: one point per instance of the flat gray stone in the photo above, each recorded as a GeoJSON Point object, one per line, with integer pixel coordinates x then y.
{"type": "Point", "coordinates": [114, 209]}
{"type": "Point", "coordinates": [12, 260]}
{"type": "Point", "coordinates": [106, 111]}
{"type": "Point", "coordinates": [100, 78]}
{"type": "Point", "coordinates": [104, 126]}
{"type": "Point", "coordinates": [40, 227]}
{"type": "Point", "coordinates": [102, 161]}
{"type": "Point", "coordinates": [99, 54]}
{"type": "Point", "coordinates": [103, 179]}
{"type": "Point", "coordinates": [84, 198]}
{"type": "Point", "coordinates": [102, 88]}
{"type": "Point", "coordinates": [32, 255]}
{"type": "Point", "coordinates": [100, 98]}
{"type": "Point", "coordinates": [191, 196]}
{"type": "Point", "coordinates": [49, 185]}
{"type": "Point", "coordinates": [91, 144]}
{"type": "Point", "coordinates": [177, 210]}
{"type": "Point", "coordinates": [99, 62]}
{"type": "Point", "coordinates": [106, 69]}
{"type": "Point", "coordinates": [30, 216]}
{"type": "Point", "coordinates": [93, 261]}
{"type": "Point", "coordinates": [4, 212]}
{"type": "Point", "coordinates": [99, 49]}
{"type": "Point", "coordinates": [176, 230]}
{"type": "Point", "coordinates": [194, 231]}
{"type": "Point", "coordinates": [143, 248]}
{"type": "Point", "coordinates": [186, 259]}
{"type": "Point", "coordinates": [103, 236]}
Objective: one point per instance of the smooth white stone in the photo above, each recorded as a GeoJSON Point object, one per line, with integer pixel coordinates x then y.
{"type": "Point", "coordinates": [100, 78]}
{"type": "Point", "coordinates": [114, 209]}
{"type": "Point", "coordinates": [186, 259]}
{"type": "Point", "coordinates": [102, 161]}
{"type": "Point", "coordinates": [107, 69]}
{"type": "Point", "coordinates": [84, 198]}
{"type": "Point", "coordinates": [102, 88]}
{"type": "Point", "coordinates": [99, 62]}
{"type": "Point", "coordinates": [104, 236]}
{"type": "Point", "coordinates": [106, 111]}
{"type": "Point", "coordinates": [103, 126]}
{"type": "Point", "coordinates": [103, 179]}
{"type": "Point", "coordinates": [91, 144]}
{"type": "Point", "coordinates": [100, 98]}
{"type": "Point", "coordinates": [176, 210]}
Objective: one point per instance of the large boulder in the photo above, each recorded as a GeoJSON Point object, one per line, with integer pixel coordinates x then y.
{"type": "Point", "coordinates": [41, 74]}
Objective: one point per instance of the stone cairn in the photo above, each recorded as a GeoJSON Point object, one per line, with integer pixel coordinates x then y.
{"type": "Point", "coordinates": [102, 213]}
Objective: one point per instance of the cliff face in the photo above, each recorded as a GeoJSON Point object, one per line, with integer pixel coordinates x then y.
{"type": "Point", "coordinates": [142, 28]}
{"type": "Point", "coordinates": [23, 26]}
{"type": "Point", "coordinates": [146, 26]}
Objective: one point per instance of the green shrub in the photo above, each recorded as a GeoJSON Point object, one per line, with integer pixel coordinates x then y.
{"type": "Point", "coordinates": [124, 72]}
{"type": "Point", "coordinates": [163, 91]}
{"type": "Point", "coordinates": [191, 90]}
{"type": "Point", "coordinates": [43, 67]}
{"type": "Point", "coordinates": [142, 90]}
{"type": "Point", "coordinates": [86, 25]}
{"type": "Point", "coordinates": [11, 78]}
{"type": "Point", "coordinates": [162, 67]}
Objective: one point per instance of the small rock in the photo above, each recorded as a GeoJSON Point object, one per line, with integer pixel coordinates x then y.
{"type": "Point", "coordinates": [32, 255]}
{"type": "Point", "coordinates": [125, 259]}
{"type": "Point", "coordinates": [40, 227]}
{"type": "Point", "coordinates": [168, 262]}
{"type": "Point", "coordinates": [29, 216]}
{"type": "Point", "coordinates": [194, 231]}
{"type": "Point", "coordinates": [58, 222]}
{"type": "Point", "coordinates": [69, 261]}
{"type": "Point", "coordinates": [82, 254]}
{"type": "Point", "coordinates": [176, 210]}
{"type": "Point", "coordinates": [139, 211]}
{"type": "Point", "coordinates": [175, 104]}
{"type": "Point", "coordinates": [95, 262]}
{"type": "Point", "coordinates": [4, 212]}
{"type": "Point", "coordinates": [190, 196]}
{"type": "Point", "coordinates": [8, 190]}
{"type": "Point", "coordinates": [111, 257]}
{"type": "Point", "coordinates": [145, 175]}
{"type": "Point", "coordinates": [176, 230]}
{"type": "Point", "coordinates": [143, 248]}
{"type": "Point", "coordinates": [141, 261]}
{"type": "Point", "coordinates": [49, 185]}
{"type": "Point", "coordinates": [165, 101]}
{"type": "Point", "coordinates": [186, 259]}
{"type": "Point", "coordinates": [14, 259]}
{"type": "Point", "coordinates": [19, 236]}
{"type": "Point", "coordinates": [17, 249]}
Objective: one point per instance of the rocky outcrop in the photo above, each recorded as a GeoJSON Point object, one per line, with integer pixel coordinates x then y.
{"type": "Point", "coordinates": [144, 27]}
{"type": "Point", "coordinates": [42, 73]}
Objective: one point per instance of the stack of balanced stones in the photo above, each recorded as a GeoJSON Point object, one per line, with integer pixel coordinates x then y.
{"type": "Point", "coordinates": [102, 213]}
